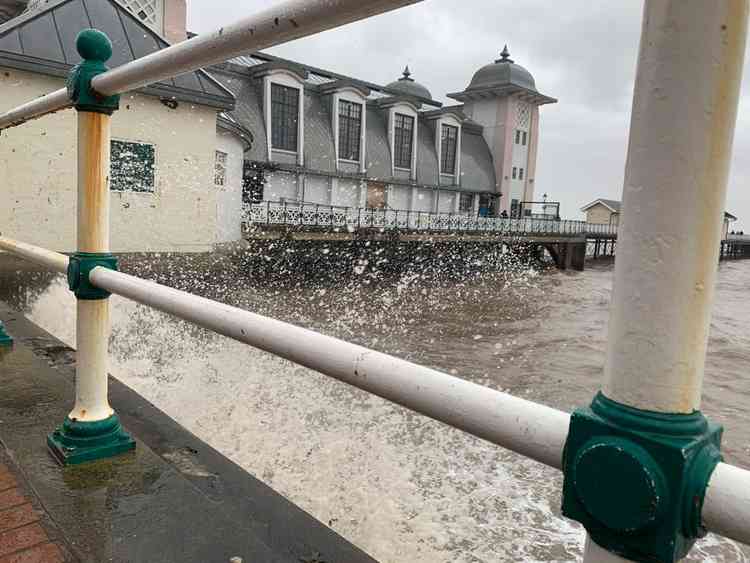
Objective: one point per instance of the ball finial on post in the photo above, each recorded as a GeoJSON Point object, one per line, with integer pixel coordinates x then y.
{"type": "Point", "coordinates": [93, 45]}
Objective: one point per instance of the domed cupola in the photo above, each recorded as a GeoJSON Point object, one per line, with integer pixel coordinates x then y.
{"type": "Point", "coordinates": [407, 86]}
{"type": "Point", "coordinates": [503, 77]}
{"type": "Point", "coordinates": [503, 72]}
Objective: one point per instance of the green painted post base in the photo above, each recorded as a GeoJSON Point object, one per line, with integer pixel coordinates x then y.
{"type": "Point", "coordinates": [5, 339]}
{"type": "Point", "coordinates": [636, 479]}
{"type": "Point", "coordinates": [78, 442]}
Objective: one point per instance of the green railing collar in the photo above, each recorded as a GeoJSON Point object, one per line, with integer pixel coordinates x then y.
{"type": "Point", "coordinates": [95, 48]}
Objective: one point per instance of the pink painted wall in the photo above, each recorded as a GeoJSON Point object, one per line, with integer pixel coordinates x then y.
{"type": "Point", "coordinates": [175, 20]}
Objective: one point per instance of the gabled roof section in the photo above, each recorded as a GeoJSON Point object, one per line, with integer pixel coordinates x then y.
{"type": "Point", "coordinates": [612, 204]}
{"type": "Point", "coordinates": [43, 41]}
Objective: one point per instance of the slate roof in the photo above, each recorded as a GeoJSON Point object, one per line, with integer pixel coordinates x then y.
{"type": "Point", "coordinates": [477, 168]}
{"type": "Point", "coordinates": [43, 41]}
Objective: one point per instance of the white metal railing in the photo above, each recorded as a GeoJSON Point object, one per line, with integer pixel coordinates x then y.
{"type": "Point", "coordinates": [685, 60]}
{"type": "Point", "coordinates": [353, 218]}
{"type": "Point", "coordinates": [739, 238]}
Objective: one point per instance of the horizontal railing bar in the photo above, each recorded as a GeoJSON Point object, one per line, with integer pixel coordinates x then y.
{"type": "Point", "coordinates": [52, 260]}
{"type": "Point", "coordinates": [530, 429]}
{"type": "Point", "coordinates": [285, 22]}
{"type": "Point", "coordinates": [726, 509]}
{"type": "Point", "coordinates": [50, 103]}
{"type": "Point", "coordinates": [533, 430]}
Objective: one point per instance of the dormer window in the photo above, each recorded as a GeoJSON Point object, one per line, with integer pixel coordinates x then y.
{"type": "Point", "coordinates": [403, 138]}
{"type": "Point", "coordinates": [350, 130]}
{"type": "Point", "coordinates": [284, 117]}
{"type": "Point", "coordinates": [448, 149]}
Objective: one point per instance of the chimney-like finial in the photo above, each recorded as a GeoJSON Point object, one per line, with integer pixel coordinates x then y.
{"type": "Point", "coordinates": [504, 56]}
{"type": "Point", "coordinates": [407, 74]}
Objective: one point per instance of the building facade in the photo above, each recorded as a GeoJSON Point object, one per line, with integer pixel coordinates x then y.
{"type": "Point", "coordinates": [602, 212]}
{"type": "Point", "coordinates": [326, 139]}
{"type": "Point", "coordinates": [177, 156]}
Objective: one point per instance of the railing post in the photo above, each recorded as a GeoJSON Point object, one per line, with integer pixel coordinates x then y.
{"type": "Point", "coordinates": [5, 339]}
{"type": "Point", "coordinates": [638, 461]}
{"type": "Point", "coordinates": [92, 429]}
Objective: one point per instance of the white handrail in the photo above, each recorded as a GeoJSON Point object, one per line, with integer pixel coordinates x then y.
{"type": "Point", "coordinates": [535, 431]}
{"type": "Point", "coordinates": [285, 22]}
{"type": "Point", "coordinates": [52, 260]}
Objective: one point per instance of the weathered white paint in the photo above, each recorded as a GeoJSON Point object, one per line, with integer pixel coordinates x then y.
{"type": "Point", "coordinates": [345, 192]}
{"type": "Point", "coordinates": [726, 509]}
{"type": "Point", "coordinates": [533, 430]}
{"type": "Point", "coordinates": [37, 164]}
{"type": "Point", "coordinates": [229, 196]}
{"type": "Point", "coordinates": [52, 260]}
{"type": "Point", "coordinates": [684, 113]}
{"type": "Point", "coordinates": [92, 318]}
{"type": "Point", "coordinates": [317, 189]}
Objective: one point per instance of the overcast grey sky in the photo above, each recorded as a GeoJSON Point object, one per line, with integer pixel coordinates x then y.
{"type": "Point", "coordinates": [581, 52]}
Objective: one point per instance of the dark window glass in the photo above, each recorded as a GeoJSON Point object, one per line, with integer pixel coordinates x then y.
{"type": "Point", "coordinates": [284, 117]}
{"type": "Point", "coordinates": [514, 208]}
{"type": "Point", "coordinates": [520, 173]}
{"type": "Point", "coordinates": [466, 203]}
{"type": "Point", "coordinates": [403, 140]}
{"type": "Point", "coordinates": [525, 136]}
{"type": "Point", "coordinates": [515, 172]}
{"type": "Point", "coordinates": [350, 129]}
{"type": "Point", "coordinates": [448, 145]}
{"type": "Point", "coordinates": [132, 166]}
{"type": "Point", "coordinates": [518, 137]}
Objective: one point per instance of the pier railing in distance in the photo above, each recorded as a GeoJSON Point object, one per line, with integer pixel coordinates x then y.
{"type": "Point", "coordinates": [680, 44]}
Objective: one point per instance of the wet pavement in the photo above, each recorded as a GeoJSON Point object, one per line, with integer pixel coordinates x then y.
{"type": "Point", "coordinates": [175, 499]}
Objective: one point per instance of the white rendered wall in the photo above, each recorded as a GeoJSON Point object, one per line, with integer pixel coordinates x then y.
{"type": "Point", "coordinates": [424, 200]}
{"type": "Point", "coordinates": [281, 186]}
{"type": "Point", "coordinates": [229, 196]}
{"type": "Point", "coordinates": [345, 193]}
{"type": "Point", "coordinates": [399, 197]}
{"type": "Point", "coordinates": [38, 168]}
{"type": "Point", "coordinates": [317, 189]}
{"type": "Point", "coordinates": [447, 202]}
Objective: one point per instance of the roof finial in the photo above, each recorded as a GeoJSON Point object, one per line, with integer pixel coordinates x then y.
{"type": "Point", "coordinates": [505, 56]}
{"type": "Point", "coordinates": [407, 74]}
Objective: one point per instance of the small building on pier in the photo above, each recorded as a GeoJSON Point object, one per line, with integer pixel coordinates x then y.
{"type": "Point", "coordinates": [602, 212]}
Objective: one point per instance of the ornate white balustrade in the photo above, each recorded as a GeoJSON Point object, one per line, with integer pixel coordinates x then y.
{"type": "Point", "coordinates": [332, 217]}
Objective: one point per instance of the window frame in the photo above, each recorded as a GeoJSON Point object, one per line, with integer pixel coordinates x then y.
{"type": "Point", "coordinates": [520, 173]}
{"type": "Point", "coordinates": [353, 135]}
{"type": "Point", "coordinates": [514, 173]}
{"type": "Point", "coordinates": [220, 168]}
{"type": "Point", "coordinates": [283, 113]}
{"type": "Point", "coordinates": [524, 138]}
{"type": "Point", "coordinates": [398, 141]}
{"type": "Point", "coordinates": [445, 148]}
{"type": "Point", "coordinates": [461, 200]}
{"type": "Point", "coordinates": [117, 161]}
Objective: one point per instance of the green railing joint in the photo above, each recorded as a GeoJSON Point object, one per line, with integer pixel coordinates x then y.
{"type": "Point", "coordinates": [79, 268]}
{"type": "Point", "coordinates": [79, 441]}
{"type": "Point", "coordinates": [95, 48]}
{"type": "Point", "coordinates": [636, 479]}
{"type": "Point", "coordinates": [5, 339]}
